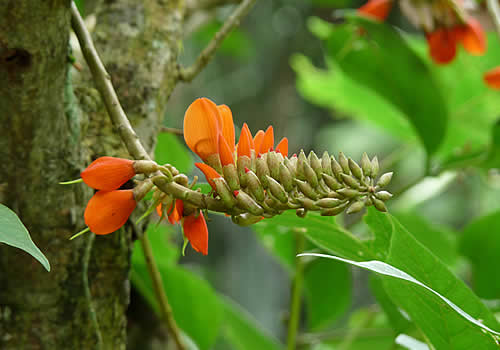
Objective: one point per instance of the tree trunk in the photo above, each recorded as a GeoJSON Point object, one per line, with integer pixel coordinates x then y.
{"type": "Point", "coordinates": [53, 123]}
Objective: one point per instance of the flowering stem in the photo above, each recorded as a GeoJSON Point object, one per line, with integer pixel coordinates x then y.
{"type": "Point", "coordinates": [295, 303]}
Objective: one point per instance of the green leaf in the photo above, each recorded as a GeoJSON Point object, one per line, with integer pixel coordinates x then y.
{"type": "Point", "coordinates": [243, 332]}
{"type": "Point", "coordinates": [165, 252]}
{"type": "Point", "coordinates": [480, 242]}
{"type": "Point", "coordinates": [13, 233]}
{"type": "Point", "coordinates": [170, 150]}
{"type": "Point", "coordinates": [237, 43]}
{"type": "Point", "coordinates": [443, 325]}
{"type": "Point", "coordinates": [327, 292]}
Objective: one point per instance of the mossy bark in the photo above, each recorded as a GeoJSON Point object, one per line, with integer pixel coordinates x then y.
{"type": "Point", "coordinates": [53, 123]}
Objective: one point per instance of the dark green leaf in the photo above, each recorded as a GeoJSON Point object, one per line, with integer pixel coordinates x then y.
{"type": "Point", "coordinates": [13, 233]}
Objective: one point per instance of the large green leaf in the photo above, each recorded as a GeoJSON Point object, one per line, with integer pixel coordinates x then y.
{"type": "Point", "coordinates": [480, 242]}
{"type": "Point", "coordinates": [243, 332]}
{"type": "Point", "coordinates": [13, 233]}
{"type": "Point", "coordinates": [382, 60]}
{"type": "Point", "coordinates": [439, 321]}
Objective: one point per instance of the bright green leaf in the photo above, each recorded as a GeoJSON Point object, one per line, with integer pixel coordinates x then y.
{"type": "Point", "coordinates": [13, 233]}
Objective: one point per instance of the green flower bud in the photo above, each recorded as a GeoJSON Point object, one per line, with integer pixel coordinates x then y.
{"type": "Point", "coordinates": [336, 168]}
{"type": "Point", "coordinates": [344, 163]}
{"type": "Point", "coordinates": [214, 161]}
{"type": "Point", "coordinates": [245, 202]}
{"type": "Point", "coordinates": [348, 192]}
{"type": "Point", "coordinates": [310, 175]}
{"type": "Point", "coordinates": [262, 171]}
{"type": "Point", "coordinates": [273, 164]}
{"type": "Point", "coordinates": [331, 182]}
{"type": "Point", "coordinates": [351, 181]}
{"type": "Point", "coordinates": [224, 193]}
{"type": "Point", "coordinates": [231, 176]}
{"type": "Point", "coordinates": [255, 186]}
{"type": "Point", "coordinates": [243, 163]}
{"type": "Point", "coordinates": [299, 170]}
{"type": "Point", "coordinates": [306, 189]}
{"type": "Point", "coordinates": [355, 207]}
{"type": "Point", "coordinates": [366, 165]}
{"type": "Point", "coordinates": [308, 203]}
{"type": "Point", "coordinates": [291, 164]}
{"type": "Point", "coordinates": [375, 167]}
{"type": "Point", "coordinates": [285, 178]}
{"type": "Point", "coordinates": [383, 195]}
{"type": "Point", "coordinates": [277, 190]}
{"type": "Point", "coordinates": [245, 219]}
{"type": "Point", "coordinates": [328, 202]}
{"type": "Point", "coordinates": [326, 164]}
{"type": "Point", "coordinates": [301, 212]}
{"type": "Point", "coordinates": [145, 166]}
{"type": "Point", "coordinates": [355, 169]}
{"type": "Point", "coordinates": [334, 211]}
{"type": "Point", "coordinates": [379, 204]}
{"type": "Point", "coordinates": [315, 163]}
{"type": "Point", "coordinates": [384, 180]}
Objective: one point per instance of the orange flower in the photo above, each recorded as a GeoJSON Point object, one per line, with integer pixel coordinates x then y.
{"type": "Point", "coordinates": [376, 9]}
{"type": "Point", "coordinates": [268, 141]}
{"type": "Point", "coordinates": [473, 38]}
{"type": "Point", "coordinates": [442, 45]}
{"type": "Point", "coordinates": [196, 231]}
{"type": "Point", "coordinates": [257, 141]}
{"type": "Point", "coordinates": [209, 173]}
{"type": "Point", "coordinates": [175, 214]}
{"type": "Point", "coordinates": [107, 211]}
{"type": "Point", "coordinates": [492, 78]}
{"type": "Point", "coordinates": [108, 173]}
{"type": "Point", "coordinates": [282, 147]}
{"type": "Point", "coordinates": [246, 143]}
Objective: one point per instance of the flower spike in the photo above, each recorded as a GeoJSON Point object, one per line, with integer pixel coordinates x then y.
{"type": "Point", "coordinates": [108, 173]}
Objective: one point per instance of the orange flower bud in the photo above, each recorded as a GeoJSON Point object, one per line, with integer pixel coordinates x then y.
{"type": "Point", "coordinates": [282, 147]}
{"type": "Point", "coordinates": [209, 173]}
{"type": "Point", "coordinates": [268, 141]}
{"type": "Point", "coordinates": [376, 9]}
{"type": "Point", "coordinates": [107, 211]}
{"type": "Point", "coordinates": [227, 125]}
{"type": "Point", "coordinates": [246, 143]}
{"type": "Point", "coordinates": [226, 154]}
{"type": "Point", "coordinates": [257, 141]}
{"type": "Point", "coordinates": [473, 38]}
{"type": "Point", "coordinates": [108, 173]}
{"type": "Point", "coordinates": [442, 45]}
{"type": "Point", "coordinates": [196, 231]}
{"type": "Point", "coordinates": [492, 78]}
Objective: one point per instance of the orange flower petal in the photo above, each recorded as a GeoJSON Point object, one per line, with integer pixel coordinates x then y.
{"type": "Point", "coordinates": [268, 141]}
{"type": "Point", "coordinates": [245, 144]}
{"type": "Point", "coordinates": [227, 125]}
{"type": "Point", "coordinates": [257, 141]}
{"type": "Point", "coordinates": [442, 45]}
{"type": "Point", "coordinates": [107, 211]}
{"type": "Point", "coordinates": [226, 155]}
{"type": "Point", "coordinates": [282, 147]}
{"type": "Point", "coordinates": [376, 9]}
{"type": "Point", "coordinates": [492, 78]}
{"type": "Point", "coordinates": [176, 215]}
{"type": "Point", "coordinates": [202, 127]}
{"type": "Point", "coordinates": [209, 173]}
{"type": "Point", "coordinates": [473, 38]}
{"type": "Point", "coordinates": [108, 173]}
{"type": "Point", "coordinates": [159, 210]}
{"type": "Point", "coordinates": [196, 231]}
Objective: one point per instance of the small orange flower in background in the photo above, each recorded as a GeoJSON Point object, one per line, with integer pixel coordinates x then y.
{"type": "Point", "coordinates": [492, 78]}
{"type": "Point", "coordinates": [376, 9]}
{"type": "Point", "coordinates": [442, 45]}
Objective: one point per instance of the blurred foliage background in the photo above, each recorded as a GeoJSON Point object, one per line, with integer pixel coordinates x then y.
{"type": "Point", "coordinates": [434, 126]}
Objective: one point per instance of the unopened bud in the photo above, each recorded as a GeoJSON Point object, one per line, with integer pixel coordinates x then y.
{"type": "Point", "coordinates": [273, 164]}
{"type": "Point", "coordinates": [246, 219]}
{"type": "Point", "coordinates": [384, 180]}
{"type": "Point", "coordinates": [306, 189]}
{"type": "Point", "coordinates": [181, 179]}
{"type": "Point", "coordinates": [255, 186]}
{"type": "Point", "coordinates": [328, 202]}
{"type": "Point", "coordinates": [310, 175]}
{"type": "Point", "coordinates": [351, 181]}
{"type": "Point", "coordinates": [348, 192]}
{"type": "Point", "coordinates": [355, 169]}
{"type": "Point", "coordinates": [277, 190]}
{"type": "Point", "coordinates": [375, 167]}
{"type": "Point", "coordinates": [308, 203]}
{"type": "Point", "coordinates": [366, 165]}
{"type": "Point", "coordinates": [326, 164]}
{"type": "Point", "coordinates": [383, 195]}
{"type": "Point", "coordinates": [344, 163]}
{"type": "Point", "coordinates": [331, 182]}
{"type": "Point", "coordinates": [291, 164]}
{"type": "Point", "coordinates": [243, 163]}
{"type": "Point", "coordinates": [379, 204]}
{"type": "Point", "coordinates": [355, 207]}
{"type": "Point", "coordinates": [285, 178]}
{"type": "Point", "coordinates": [334, 211]}
{"type": "Point", "coordinates": [315, 163]}
{"type": "Point", "coordinates": [262, 171]}
{"type": "Point", "coordinates": [301, 160]}
{"type": "Point", "coordinates": [231, 176]}
{"type": "Point", "coordinates": [336, 168]}
{"type": "Point", "coordinates": [224, 193]}
{"type": "Point", "coordinates": [145, 166]}
{"type": "Point", "coordinates": [245, 202]}
{"type": "Point", "coordinates": [301, 212]}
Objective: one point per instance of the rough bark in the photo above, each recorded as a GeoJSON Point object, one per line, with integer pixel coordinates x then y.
{"type": "Point", "coordinates": [50, 128]}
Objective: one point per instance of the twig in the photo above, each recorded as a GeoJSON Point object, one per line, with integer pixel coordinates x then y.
{"type": "Point", "coordinates": [494, 10]}
{"type": "Point", "coordinates": [295, 304]}
{"type": "Point", "coordinates": [189, 73]}
{"type": "Point", "coordinates": [86, 288]}
{"type": "Point", "coordinates": [171, 131]}
{"type": "Point", "coordinates": [134, 147]}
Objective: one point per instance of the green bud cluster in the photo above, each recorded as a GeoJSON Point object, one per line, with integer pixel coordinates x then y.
{"type": "Point", "coordinates": [267, 185]}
